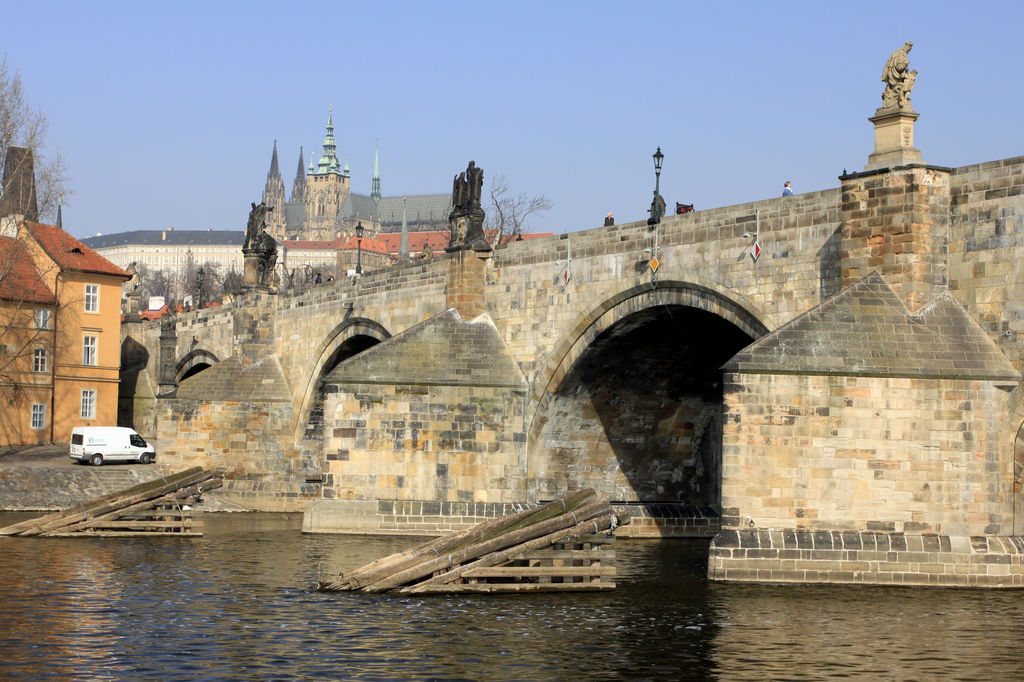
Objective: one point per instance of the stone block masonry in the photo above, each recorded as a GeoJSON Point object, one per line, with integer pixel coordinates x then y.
{"type": "Point", "coordinates": [868, 558]}
{"type": "Point", "coordinates": [444, 443]}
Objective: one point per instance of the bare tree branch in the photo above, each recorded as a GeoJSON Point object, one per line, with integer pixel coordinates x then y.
{"type": "Point", "coordinates": [508, 211]}
{"type": "Point", "coordinates": [22, 127]}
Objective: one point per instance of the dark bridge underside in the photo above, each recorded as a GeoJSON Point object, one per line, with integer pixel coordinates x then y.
{"type": "Point", "coordinates": [314, 429]}
{"type": "Point", "coordinates": [639, 416]}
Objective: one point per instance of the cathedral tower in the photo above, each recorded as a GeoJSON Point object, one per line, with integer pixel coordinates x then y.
{"type": "Point", "coordinates": [274, 197]}
{"type": "Point", "coordinates": [326, 190]}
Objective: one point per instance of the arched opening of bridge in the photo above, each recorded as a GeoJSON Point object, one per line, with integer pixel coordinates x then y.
{"type": "Point", "coordinates": [194, 369]}
{"type": "Point", "coordinates": [353, 345]}
{"type": "Point", "coordinates": [638, 417]}
{"type": "Point", "coordinates": [193, 363]}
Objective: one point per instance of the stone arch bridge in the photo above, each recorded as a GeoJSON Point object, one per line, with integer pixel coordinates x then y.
{"type": "Point", "coordinates": [845, 407]}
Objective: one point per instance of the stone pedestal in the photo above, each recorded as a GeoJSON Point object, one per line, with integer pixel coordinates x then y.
{"type": "Point", "coordinates": [250, 268]}
{"type": "Point", "coordinates": [896, 223]}
{"type": "Point", "coordinates": [132, 305]}
{"type": "Point", "coordinates": [465, 279]}
{"type": "Point", "coordinates": [894, 139]}
{"type": "Point", "coordinates": [467, 231]}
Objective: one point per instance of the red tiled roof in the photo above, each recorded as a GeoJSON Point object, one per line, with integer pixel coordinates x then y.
{"type": "Point", "coordinates": [372, 245]}
{"type": "Point", "coordinates": [310, 244]}
{"type": "Point", "coordinates": [437, 240]}
{"type": "Point", "coordinates": [161, 311]}
{"type": "Point", "coordinates": [19, 278]}
{"type": "Point", "coordinates": [71, 254]}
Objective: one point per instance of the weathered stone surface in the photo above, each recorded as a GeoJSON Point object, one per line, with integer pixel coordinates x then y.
{"type": "Point", "coordinates": [867, 331]}
{"type": "Point", "coordinates": [442, 350]}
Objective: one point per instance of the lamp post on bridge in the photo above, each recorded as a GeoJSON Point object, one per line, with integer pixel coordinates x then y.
{"type": "Point", "coordinates": [657, 204]}
{"type": "Point", "coordinates": [359, 248]}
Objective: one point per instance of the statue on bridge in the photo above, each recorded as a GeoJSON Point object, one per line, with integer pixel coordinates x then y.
{"type": "Point", "coordinates": [898, 79]}
{"type": "Point", "coordinates": [259, 249]}
{"type": "Point", "coordinates": [467, 216]}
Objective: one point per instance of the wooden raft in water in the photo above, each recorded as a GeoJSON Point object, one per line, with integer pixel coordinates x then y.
{"type": "Point", "coordinates": [157, 507]}
{"type": "Point", "coordinates": [561, 546]}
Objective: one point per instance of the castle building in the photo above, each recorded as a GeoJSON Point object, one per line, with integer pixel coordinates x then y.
{"type": "Point", "coordinates": [323, 206]}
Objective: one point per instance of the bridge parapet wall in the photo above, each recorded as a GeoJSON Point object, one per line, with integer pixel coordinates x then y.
{"type": "Point", "coordinates": [535, 309]}
{"type": "Point", "coordinates": [986, 248]}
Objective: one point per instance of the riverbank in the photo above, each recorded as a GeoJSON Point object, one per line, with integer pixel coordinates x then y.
{"type": "Point", "coordinates": [44, 478]}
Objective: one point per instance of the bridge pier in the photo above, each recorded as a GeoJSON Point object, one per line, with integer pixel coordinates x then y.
{"type": "Point", "coordinates": [870, 439]}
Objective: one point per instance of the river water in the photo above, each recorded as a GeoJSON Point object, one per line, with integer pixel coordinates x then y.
{"type": "Point", "coordinates": [237, 604]}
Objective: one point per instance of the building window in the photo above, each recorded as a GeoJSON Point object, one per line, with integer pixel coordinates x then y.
{"type": "Point", "coordinates": [89, 350]}
{"type": "Point", "coordinates": [39, 360]}
{"type": "Point", "coordinates": [88, 403]}
{"type": "Point", "coordinates": [38, 416]}
{"type": "Point", "coordinates": [92, 298]}
{"type": "Point", "coordinates": [42, 318]}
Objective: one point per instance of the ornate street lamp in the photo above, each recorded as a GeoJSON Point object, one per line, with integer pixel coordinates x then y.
{"type": "Point", "coordinates": [657, 205]}
{"type": "Point", "coordinates": [359, 248]}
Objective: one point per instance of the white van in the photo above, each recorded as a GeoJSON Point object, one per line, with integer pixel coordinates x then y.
{"type": "Point", "coordinates": [98, 444]}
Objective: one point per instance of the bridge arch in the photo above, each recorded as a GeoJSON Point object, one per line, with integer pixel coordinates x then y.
{"type": "Point", "coordinates": [193, 363]}
{"type": "Point", "coordinates": [349, 337]}
{"type": "Point", "coordinates": [630, 402]}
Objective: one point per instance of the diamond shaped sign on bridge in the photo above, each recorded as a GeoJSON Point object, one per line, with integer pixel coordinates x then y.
{"type": "Point", "coordinates": [654, 264]}
{"type": "Point", "coordinates": [755, 250]}
{"type": "Point", "coordinates": [566, 275]}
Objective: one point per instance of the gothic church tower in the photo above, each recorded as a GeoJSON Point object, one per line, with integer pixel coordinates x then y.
{"type": "Point", "coordinates": [327, 187]}
{"type": "Point", "coordinates": [274, 197]}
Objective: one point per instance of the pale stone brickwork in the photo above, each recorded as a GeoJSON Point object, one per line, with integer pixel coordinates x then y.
{"type": "Point", "coordinates": [986, 248]}
{"type": "Point", "coordinates": [896, 223]}
{"type": "Point", "coordinates": [246, 441]}
{"type": "Point", "coordinates": [866, 454]}
{"type": "Point", "coordinates": [438, 443]}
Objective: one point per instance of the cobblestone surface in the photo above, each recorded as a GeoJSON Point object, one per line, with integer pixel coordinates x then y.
{"type": "Point", "coordinates": [45, 478]}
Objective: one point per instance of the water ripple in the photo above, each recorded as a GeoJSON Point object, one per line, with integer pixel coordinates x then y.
{"type": "Point", "coordinates": [236, 604]}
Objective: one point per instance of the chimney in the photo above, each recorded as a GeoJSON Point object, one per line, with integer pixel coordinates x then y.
{"type": "Point", "coordinates": [18, 193]}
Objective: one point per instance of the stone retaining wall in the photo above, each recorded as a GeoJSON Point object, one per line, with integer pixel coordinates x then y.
{"type": "Point", "coordinates": [786, 556]}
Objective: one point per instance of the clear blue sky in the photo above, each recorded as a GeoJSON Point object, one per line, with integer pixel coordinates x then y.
{"type": "Point", "coordinates": [166, 112]}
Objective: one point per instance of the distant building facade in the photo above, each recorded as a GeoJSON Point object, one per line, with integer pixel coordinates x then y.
{"type": "Point", "coordinates": [170, 249]}
{"type": "Point", "coordinates": [322, 206]}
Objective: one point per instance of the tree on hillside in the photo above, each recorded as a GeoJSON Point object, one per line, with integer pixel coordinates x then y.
{"type": "Point", "coordinates": [20, 126]}
{"type": "Point", "coordinates": [508, 211]}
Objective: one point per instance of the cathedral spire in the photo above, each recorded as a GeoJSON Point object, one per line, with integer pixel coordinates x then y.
{"type": "Point", "coordinates": [299, 186]}
{"type": "Point", "coordinates": [274, 172]}
{"type": "Point", "coordinates": [329, 159]}
{"type": "Point", "coordinates": [60, 200]}
{"type": "Point", "coordinates": [375, 182]}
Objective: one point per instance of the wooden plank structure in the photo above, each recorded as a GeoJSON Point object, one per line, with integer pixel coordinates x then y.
{"type": "Point", "coordinates": [561, 546]}
{"type": "Point", "coordinates": [158, 507]}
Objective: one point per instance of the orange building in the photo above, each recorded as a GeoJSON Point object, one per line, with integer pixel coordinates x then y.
{"type": "Point", "coordinates": [26, 347]}
{"type": "Point", "coordinates": [66, 328]}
